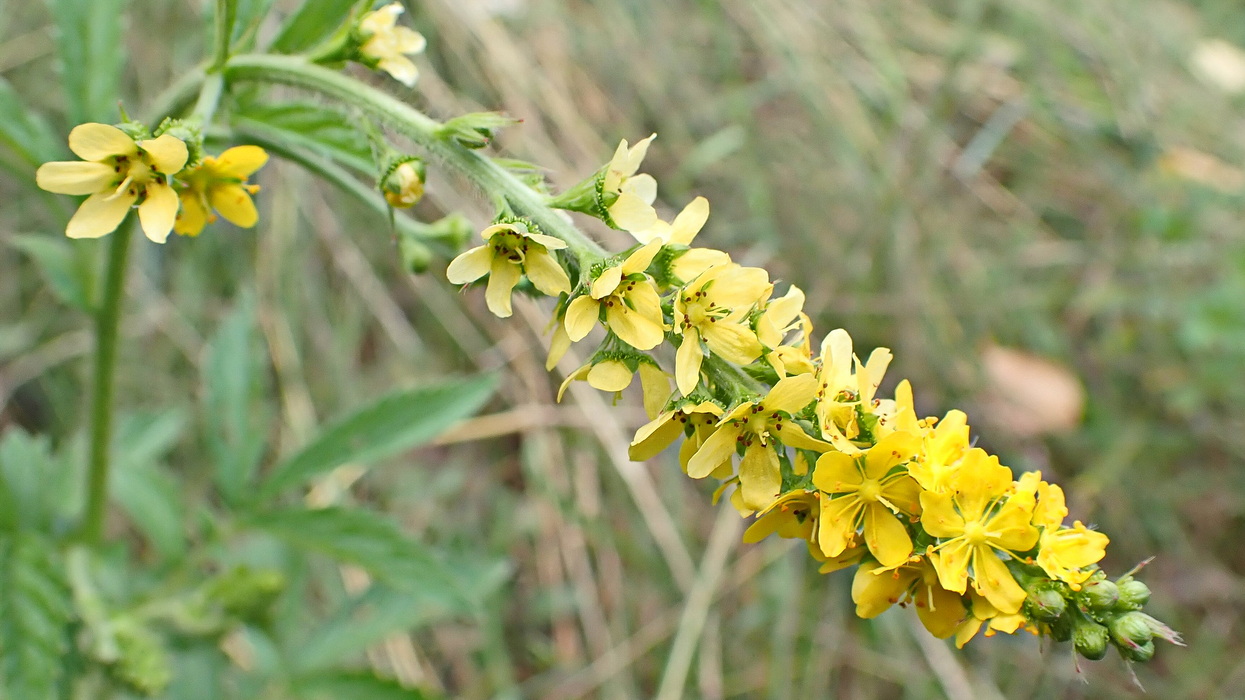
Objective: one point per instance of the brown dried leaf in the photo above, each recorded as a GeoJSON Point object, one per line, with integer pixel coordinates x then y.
{"type": "Point", "coordinates": [1028, 395]}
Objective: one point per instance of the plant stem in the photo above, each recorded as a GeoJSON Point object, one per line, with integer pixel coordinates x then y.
{"type": "Point", "coordinates": [423, 130]}
{"type": "Point", "coordinates": [107, 317]}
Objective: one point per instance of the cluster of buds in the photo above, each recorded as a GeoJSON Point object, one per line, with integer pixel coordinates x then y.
{"type": "Point", "coordinates": [800, 433]}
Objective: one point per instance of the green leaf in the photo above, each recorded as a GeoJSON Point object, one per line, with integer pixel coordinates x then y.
{"type": "Point", "coordinates": [364, 538]}
{"type": "Point", "coordinates": [67, 267]}
{"type": "Point", "coordinates": [149, 494]}
{"type": "Point", "coordinates": [358, 685]}
{"type": "Point", "coordinates": [25, 132]}
{"type": "Point", "coordinates": [249, 15]}
{"type": "Point", "coordinates": [313, 22]}
{"type": "Point", "coordinates": [237, 425]}
{"type": "Point", "coordinates": [392, 424]}
{"type": "Point", "coordinates": [35, 611]}
{"type": "Point", "coordinates": [92, 54]}
{"type": "Point", "coordinates": [324, 131]}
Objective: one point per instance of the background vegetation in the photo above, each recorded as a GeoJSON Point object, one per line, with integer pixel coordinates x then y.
{"type": "Point", "coordinates": [1009, 195]}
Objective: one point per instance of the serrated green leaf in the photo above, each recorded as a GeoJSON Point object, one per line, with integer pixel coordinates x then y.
{"type": "Point", "coordinates": [364, 538]}
{"type": "Point", "coordinates": [394, 423]}
{"type": "Point", "coordinates": [358, 685]}
{"type": "Point", "coordinates": [88, 42]}
{"type": "Point", "coordinates": [35, 611]}
{"type": "Point", "coordinates": [237, 426]}
{"type": "Point", "coordinates": [26, 463]}
{"type": "Point", "coordinates": [312, 23]}
{"type": "Point", "coordinates": [25, 132]}
{"type": "Point", "coordinates": [314, 127]}
{"type": "Point", "coordinates": [67, 269]}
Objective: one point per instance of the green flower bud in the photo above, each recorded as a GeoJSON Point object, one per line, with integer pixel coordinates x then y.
{"type": "Point", "coordinates": [1099, 596]}
{"type": "Point", "coordinates": [1133, 594]}
{"type": "Point", "coordinates": [246, 594]}
{"type": "Point", "coordinates": [1140, 653]}
{"type": "Point", "coordinates": [1090, 640]}
{"type": "Point", "coordinates": [190, 133]}
{"type": "Point", "coordinates": [403, 182]}
{"type": "Point", "coordinates": [415, 255]}
{"type": "Point", "coordinates": [1045, 604]}
{"type": "Point", "coordinates": [142, 661]}
{"type": "Point", "coordinates": [1131, 629]}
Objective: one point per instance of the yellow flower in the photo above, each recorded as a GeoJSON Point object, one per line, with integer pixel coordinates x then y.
{"type": "Point", "coordinates": [511, 249]}
{"type": "Point", "coordinates": [714, 308]}
{"type": "Point", "coordinates": [1063, 552]}
{"type": "Point", "coordinates": [780, 317]}
{"type": "Point", "coordinates": [404, 186]}
{"type": "Point", "coordinates": [386, 45]}
{"type": "Point", "coordinates": [945, 445]}
{"type": "Point", "coordinates": [117, 172]}
{"type": "Point", "coordinates": [630, 301]}
{"type": "Point", "coordinates": [842, 391]}
{"type": "Point", "coordinates": [632, 210]}
{"type": "Point", "coordinates": [793, 516]}
{"type": "Point", "coordinates": [983, 613]}
{"type": "Point", "coordinates": [614, 371]}
{"type": "Point", "coordinates": [975, 520]}
{"type": "Point", "coordinates": [876, 588]}
{"type": "Point", "coordinates": [695, 418]}
{"type": "Point", "coordinates": [220, 183]}
{"type": "Point", "coordinates": [684, 227]}
{"type": "Point", "coordinates": [872, 495]}
{"type": "Point", "coordinates": [755, 425]}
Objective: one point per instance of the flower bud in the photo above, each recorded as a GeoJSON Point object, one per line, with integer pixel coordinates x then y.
{"type": "Point", "coordinates": [475, 130]}
{"type": "Point", "coordinates": [1131, 629]}
{"type": "Point", "coordinates": [403, 183]}
{"type": "Point", "coordinates": [1046, 604]}
{"type": "Point", "coordinates": [1090, 640]}
{"type": "Point", "coordinates": [415, 255]}
{"type": "Point", "coordinates": [1099, 596]}
{"type": "Point", "coordinates": [189, 133]}
{"type": "Point", "coordinates": [1140, 653]}
{"type": "Point", "coordinates": [1133, 594]}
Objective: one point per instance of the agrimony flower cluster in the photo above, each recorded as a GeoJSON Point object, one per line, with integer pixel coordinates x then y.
{"type": "Point", "coordinates": [796, 430]}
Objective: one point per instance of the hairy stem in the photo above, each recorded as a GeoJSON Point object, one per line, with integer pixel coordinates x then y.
{"type": "Point", "coordinates": [423, 130]}
{"type": "Point", "coordinates": [107, 317]}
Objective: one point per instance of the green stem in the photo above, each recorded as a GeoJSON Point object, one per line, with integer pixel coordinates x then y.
{"type": "Point", "coordinates": [209, 98]}
{"type": "Point", "coordinates": [107, 317]}
{"type": "Point", "coordinates": [226, 11]}
{"type": "Point", "coordinates": [423, 130]}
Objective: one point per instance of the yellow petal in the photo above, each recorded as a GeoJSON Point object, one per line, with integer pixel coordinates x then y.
{"type": "Point", "coordinates": [100, 141]}
{"type": "Point", "coordinates": [470, 266]}
{"type": "Point", "coordinates": [99, 215]}
{"type": "Point", "coordinates": [869, 375]}
{"type": "Point", "coordinates": [610, 375]}
{"type": "Point", "coordinates": [634, 329]}
{"type": "Point", "coordinates": [167, 153]}
{"type": "Point", "coordinates": [791, 394]}
{"type": "Point", "coordinates": [407, 40]}
{"type": "Point", "coordinates": [689, 221]}
{"type": "Point", "coordinates": [836, 473]}
{"type": "Point", "coordinates": [558, 345]}
{"type": "Point", "coordinates": [733, 341]}
{"type": "Point", "coordinates": [938, 515]}
{"type": "Point", "coordinates": [885, 536]}
{"type": "Point", "coordinates": [891, 450]}
{"type": "Point", "coordinates": [992, 580]}
{"type": "Point", "coordinates": [581, 317]}
{"type": "Point", "coordinates": [193, 216]}
{"type": "Point", "coordinates": [1010, 528]}
{"type": "Point", "coordinates": [75, 177]}
{"type": "Point", "coordinates": [158, 212]}
{"type": "Point", "coordinates": [655, 384]}
{"type": "Point", "coordinates": [692, 263]}
{"type": "Point", "coordinates": [793, 435]}
{"type": "Point", "coordinates": [234, 203]}
{"type": "Point", "coordinates": [503, 276]}
{"type": "Point", "coordinates": [545, 273]}
{"type": "Point", "coordinates": [631, 213]}
{"type": "Point", "coordinates": [381, 19]}
{"type": "Point", "coordinates": [402, 69]}
{"type": "Point", "coordinates": [641, 258]}
{"type": "Point", "coordinates": [240, 161]}
{"type": "Point", "coordinates": [687, 362]}
{"type": "Point", "coordinates": [837, 524]}
{"type": "Point", "coordinates": [952, 564]}
{"type": "Point", "coordinates": [760, 478]}
{"type": "Point", "coordinates": [875, 589]}
{"type": "Point", "coordinates": [941, 611]}
{"type": "Point", "coordinates": [607, 282]}
{"type": "Point", "coordinates": [653, 437]}
{"type": "Point", "coordinates": [717, 449]}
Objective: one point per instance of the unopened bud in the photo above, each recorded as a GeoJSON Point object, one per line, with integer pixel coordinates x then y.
{"type": "Point", "coordinates": [1046, 604]}
{"type": "Point", "coordinates": [1133, 594]}
{"type": "Point", "coordinates": [1099, 595]}
{"type": "Point", "coordinates": [1131, 629]}
{"type": "Point", "coordinates": [189, 133]}
{"type": "Point", "coordinates": [1090, 640]}
{"type": "Point", "coordinates": [1140, 653]}
{"type": "Point", "coordinates": [415, 255]}
{"type": "Point", "coordinates": [403, 184]}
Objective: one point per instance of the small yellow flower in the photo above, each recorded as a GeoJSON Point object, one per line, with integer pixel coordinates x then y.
{"type": "Point", "coordinates": [1064, 553]}
{"type": "Point", "coordinates": [697, 419]}
{"type": "Point", "coordinates": [630, 301]}
{"type": "Point", "coordinates": [387, 45]}
{"type": "Point", "coordinates": [511, 250]}
{"type": "Point", "coordinates": [714, 308]}
{"type": "Point", "coordinates": [632, 210]}
{"type": "Point", "coordinates": [843, 390]}
{"type": "Point", "coordinates": [945, 445]}
{"type": "Point", "coordinates": [872, 495]}
{"type": "Point", "coordinates": [404, 186]}
{"type": "Point", "coordinates": [792, 516]}
{"type": "Point", "coordinates": [117, 172]}
{"type": "Point", "coordinates": [876, 588]}
{"type": "Point", "coordinates": [975, 521]}
{"type": "Point", "coordinates": [614, 373]}
{"type": "Point", "coordinates": [220, 183]}
{"type": "Point", "coordinates": [780, 317]}
{"type": "Point", "coordinates": [755, 425]}
{"type": "Point", "coordinates": [684, 227]}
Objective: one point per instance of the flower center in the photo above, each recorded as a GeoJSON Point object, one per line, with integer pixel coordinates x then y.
{"type": "Point", "coordinates": [870, 490]}
{"type": "Point", "coordinates": [975, 532]}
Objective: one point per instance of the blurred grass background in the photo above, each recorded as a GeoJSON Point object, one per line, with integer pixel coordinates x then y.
{"type": "Point", "coordinates": [1057, 184]}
